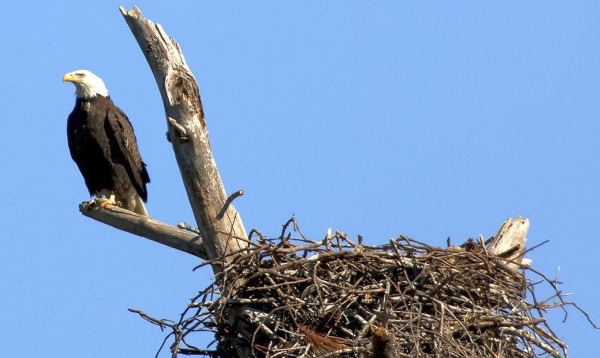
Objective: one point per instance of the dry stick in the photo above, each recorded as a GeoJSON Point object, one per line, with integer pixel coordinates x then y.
{"type": "Point", "coordinates": [260, 235]}
{"type": "Point", "coordinates": [530, 338]}
{"type": "Point", "coordinates": [284, 227]}
{"type": "Point", "coordinates": [145, 227]}
{"type": "Point", "coordinates": [159, 322]}
{"type": "Point", "coordinates": [587, 316]}
{"type": "Point", "coordinates": [228, 202]}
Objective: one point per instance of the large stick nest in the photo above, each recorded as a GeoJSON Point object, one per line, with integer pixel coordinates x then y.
{"type": "Point", "coordinates": [338, 298]}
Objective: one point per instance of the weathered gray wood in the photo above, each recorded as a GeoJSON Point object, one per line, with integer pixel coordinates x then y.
{"type": "Point", "coordinates": [219, 223]}
{"type": "Point", "coordinates": [510, 241]}
{"type": "Point", "coordinates": [148, 228]}
{"type": "Point", "coordinates": [189, 138]}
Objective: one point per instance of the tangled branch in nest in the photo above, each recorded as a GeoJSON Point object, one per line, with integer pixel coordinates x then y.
{"type": "Point", "coordinates": [338, 298]}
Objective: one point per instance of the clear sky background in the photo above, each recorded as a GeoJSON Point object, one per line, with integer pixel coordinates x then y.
{"type": "Point", "coordinates": [430, 119]}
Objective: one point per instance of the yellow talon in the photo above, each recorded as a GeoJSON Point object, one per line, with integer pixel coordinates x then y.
{"type": "Point", "coordinates": [101, 202]}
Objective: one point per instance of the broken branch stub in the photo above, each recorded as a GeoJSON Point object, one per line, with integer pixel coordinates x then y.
{"type": "Point", "coordinates": [509, 242]}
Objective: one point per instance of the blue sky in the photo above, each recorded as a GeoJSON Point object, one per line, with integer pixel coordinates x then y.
{"type": "Point", "coordinates": [429, 119]}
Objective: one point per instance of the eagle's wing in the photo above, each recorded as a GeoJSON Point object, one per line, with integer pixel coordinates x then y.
{"type": "Point", "coordinates": [85, 150]}
{"type": "Point", "coordinates": [71, 139]}
{"type": "Point", "coordinates": [125, 150]}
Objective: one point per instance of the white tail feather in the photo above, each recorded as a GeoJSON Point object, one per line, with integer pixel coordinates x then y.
{"type": "Point", "coordinates": [136, 205]}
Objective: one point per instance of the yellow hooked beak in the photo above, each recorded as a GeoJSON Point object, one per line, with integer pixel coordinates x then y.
{"type": "Point", "coordinates": [69, 77]}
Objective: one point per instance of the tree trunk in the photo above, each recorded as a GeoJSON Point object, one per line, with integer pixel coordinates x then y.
{"type": "Point", "coordinates": [219, 224]}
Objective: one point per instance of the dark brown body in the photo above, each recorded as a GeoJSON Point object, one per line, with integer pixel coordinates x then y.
{"type": "Point", "coordinates": [103, 145]}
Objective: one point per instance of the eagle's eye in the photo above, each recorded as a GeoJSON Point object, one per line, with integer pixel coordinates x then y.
{"type": "Point", "coordinates": [81, 75]}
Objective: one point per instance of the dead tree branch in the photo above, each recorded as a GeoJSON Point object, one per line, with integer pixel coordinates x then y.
{"type": "Point", "coordinates": [184, 116]}
{"type": "Point", "coordinates": [220, 225]}
{"type": "Point", "coordinates": [147, 228]}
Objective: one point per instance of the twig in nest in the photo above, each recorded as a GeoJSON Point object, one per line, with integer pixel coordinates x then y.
{"type": "Point", "coordinates": [334, 298]}
{"type": "Point", "coordinates": [321, 344]}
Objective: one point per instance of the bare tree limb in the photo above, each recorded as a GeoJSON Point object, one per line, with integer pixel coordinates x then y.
{"type": "Point", "coordinates": [218, 222]}
{"type": "Point", "coordinates": [147, 228]}
{"type": "Point", "coordinates": [185, 119]}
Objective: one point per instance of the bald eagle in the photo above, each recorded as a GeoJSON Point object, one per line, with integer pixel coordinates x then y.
{"type": "Point", "coordinates": [103, 145]}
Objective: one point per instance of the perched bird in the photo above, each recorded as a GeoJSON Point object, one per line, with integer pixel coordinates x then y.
{"type": "Point", "coordinates": [103, 145]}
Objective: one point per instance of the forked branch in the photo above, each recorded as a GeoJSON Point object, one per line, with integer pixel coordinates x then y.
{"type": "Point", "coordinates": [184, 117]}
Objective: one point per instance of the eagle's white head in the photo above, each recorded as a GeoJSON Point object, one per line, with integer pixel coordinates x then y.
{"type": "Point", "coordinates": [87, 84]}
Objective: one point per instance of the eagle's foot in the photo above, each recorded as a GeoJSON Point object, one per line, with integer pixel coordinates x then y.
{"type": "Point", "coordinates": [101, 203]}
{"type": "Point", "coordinates": [89, 205]}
